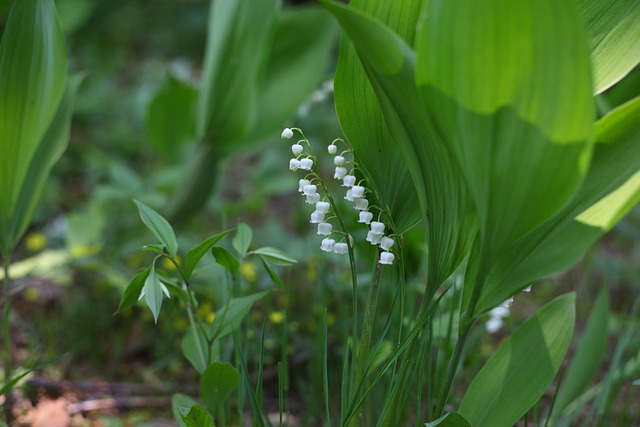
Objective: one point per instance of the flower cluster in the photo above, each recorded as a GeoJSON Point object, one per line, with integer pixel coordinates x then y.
{"type": "Point", "coordinates": [356, 193]}
{"type": "Point", "coordinates": [498, 313]}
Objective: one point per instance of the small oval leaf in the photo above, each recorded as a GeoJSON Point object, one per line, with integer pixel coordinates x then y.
{"type": "Point", "coordinates": [159, 226]}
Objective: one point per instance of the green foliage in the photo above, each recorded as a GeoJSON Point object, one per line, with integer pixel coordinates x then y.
{"type": "Point", "coordinates": [274, 255]}
{"type": "Point", "coordinates": [226, 259]}
{"type": "Point", "coordinates": [196, 416]}
{"type": "Point", "coordinates": [152, 290]}
{"type": "Point", "coordinates": [132, 291]}
{"type": "Point", "coordinates": [242, 240]}
{"type": "Point", "coordinates": [194, 255]}
{"type": "Point", "coordinates": [159, 227]}
{"type": "Point", "coordinates": [519, 372]}
{"type": "Point", "coordinates": [452, 419]}
{"type": "Point", "coordinates": [34, 111]}
{"type": "Point", "coordinates": [217, 383]}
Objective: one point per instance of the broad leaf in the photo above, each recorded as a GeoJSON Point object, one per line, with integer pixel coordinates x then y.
{"type": "Point", "coordinates": [614, 37]}
{"type": "Point", "coordinates": [191, 352]}
{"type": "Point", "coordinates": [513, 105]}
{"type": "Point", "coordinates": [228, 318]}
{"type": "Point", "coordinates": [240, 32]}
{"type": "Point", "coordinates": [452, 419]}
{"type": "Point", "coordinates": [194, 255]}
{"type": "Point", "coordinates": [519, 372]}
{"type": "Point", "coordinates": [217, 383]}
{"type": "Point", "coordinates": [389, 63]}
{"type": "Point", "coordinates": [274, 255]}
{"type": "Point", "coordinates": [242, 240]}
{"type": "Point", "coordinates": [33, 75]}
{"type": "Point", "coordinates": [610, 189]}
{"type": "Point", "coordinates": [181, 401]}
{"type": "Point", "coordinates": [51, 148]}
{"type": "Point", "coordinates": [589, 353]}
{"type": "Point", "coordinates": [132, 293]}
{"type": "Point", "coordinates": [226, 259]}
{"type": "Point", "coordinates": [171, 118]}
{"type": "Point", "coordinates": [196, 416]}
{"type": "Point", "coordinates": [159, 226]}
{"type": "Point", "coordinates": [153, 293]}
{"type": "Point", "coordinates": [362, 120]}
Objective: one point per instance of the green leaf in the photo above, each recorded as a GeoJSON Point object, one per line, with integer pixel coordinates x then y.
{"type": "Point", "coordinates": [513, 105]}
{"type": "Point", "coordinates": [610, 189]}
{"type": "Point", "coordinates": [226, 259]}
{"type": "Point", "coordinates": [614, 37]}
{"type": "Point", "coordinates": [190, 350]}
{"type": "Point", "coordinates": [33, 75]}
{"type": "Point", "coordinates": [53, 145]}
{"type": "Point", "coordinates": [296, 66]}
{"type": "Point", "coordinates": [13, 381]}
{"type": "Point", "coordinates": [196, 416]}
{"type": "Point", "coordinates": [132, 292]}
{"type": "Point", "coordinates": [518, 373]}
{"type": "Point", "coordinates": [444, 202]}
{"type": "Point", "coordinates": [217, 383]}
{"type": "Point", "coordinates": [362, 120]}
{"type": "Point", "coordinates": [272, 273]}
{"type": "Point", "coordinates": [238, 308]}
{"type": "Point", "coordinates": [239, 35]}
{"type": "Point", "coordinates": [589, 353]}
{"type": "Point", "coordinates": [159, 227]}
{"type": "Point", "coordinates": [452, 419]}
{"type": "Point", "coordinates": [274, 255]}
{"type": "Point", "coordinates": [153, 293]}
{"type": "Point", "coordinates": [242, 239]}
{"type": "Point", "coordinates": [180, 401]}
{"type": "Point", "coordinates": [194, 255]}
{"type": "Point", "coordinates": [171, 118]}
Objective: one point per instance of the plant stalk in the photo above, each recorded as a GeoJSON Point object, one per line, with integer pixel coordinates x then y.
{"type": "Point", "coordinates": [6, 326]}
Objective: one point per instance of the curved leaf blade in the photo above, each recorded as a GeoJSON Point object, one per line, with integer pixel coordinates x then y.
{"type": "Point", "coordinates": [159, 226]}
{"type": "Point", "coordinates": [519, 372]}
{"type": "Point", "coordinates": [194, 255]}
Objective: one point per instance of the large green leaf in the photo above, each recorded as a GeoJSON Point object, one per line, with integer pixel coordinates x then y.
{"type": "Point", "coordinates": [217, 383]}
{"type": "Point", "coordinates": [33, 75]}
{"type": "Point", "coordinates": [362, 121]}
{"type": "Point", "coordinates": [296, 65]}
{"type": "Point", "coordinates": [196, 416]}
{"type": "Point", "coordinates": [170, 118]}
{"type": "Point", "coordinates": [588, 355]}
{"type": "Point", "coordinates": [610, 189]}
{"type": "Point", "coordinates": [452, 419]}
{"type": "Point", "coordinates": [240, 32]}
{"type": "Point", "coordinates": [389, 63]}
{"type": "Point", "coordinates": [513, 104]}
{"type": "Point", "coordinates": [53, 145]}
{"type": "Point", "coordinates": [614, 37]}
{"type": "Point", "coordinates": [519, 372]}
{"type": "Point", "coordinates": [159, 226]}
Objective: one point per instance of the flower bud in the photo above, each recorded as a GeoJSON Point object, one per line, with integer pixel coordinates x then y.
{"type": "Point", "coordinates": [341, 248]}
{"type": "Point", "coordinates": [286, 133]}
{"type": "Point", "coordinates": [324, 228]}
{"type": "Point", "coordinates": [365, 217]}
{"type": "Point", "coordinates": [294, 164]}
{"type": "Point", "coordinates": [386, 258]}
{"type": "Point", "coordinates": [296, 149]}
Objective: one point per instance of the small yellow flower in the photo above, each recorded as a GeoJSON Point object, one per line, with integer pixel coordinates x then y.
{"type": "Point", "coordinates": [206, 312]}
{"type": "Point", "coordinates": [168, 265]}
{"type": "Point", "coordinates": [80, 251]}
{"type": "Point", "coordinates": [276, 317]}
{"type": "Point", "coordinates": [35, 242]}
{"type": "Point", "coordinates": [248, 271]}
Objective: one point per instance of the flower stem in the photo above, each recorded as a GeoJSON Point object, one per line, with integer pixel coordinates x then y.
{"type": "Point", "coordinates": [6, 326]}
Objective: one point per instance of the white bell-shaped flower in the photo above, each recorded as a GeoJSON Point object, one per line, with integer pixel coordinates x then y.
{"type": "Point", "coordinates": [494, 324]}
{"type": "Point", "coordinates": [332, 149]}
{"type": "Point", "coordinates": [373, 238]}
{"type": "Point", "coordinates": [348, 181]}
{"type": "Point", "coordinates": [312, 199]}
{"type": "Point", "coordinates": [338, 161]}
{"type": "Point", "coordinates": [377, 227]}
{"type": "Point", "coordinates": [357, 191]}
{"type": "Point", "coordinates": [361, 204]}
{"type": "Point", "coordinates": [328, 245]}
{"type": "Point", "coordinates": [306, 164]}
{"type": "Point", "coordinates": [296, 149]}
{"type": "Point", "coordinates": [386, 243]}
{"type": "Point", "coordinates": [324, 228]}
{"type": "Point", "coordinates": [340, 172]}
{"type": "Point", "coordinates": [309, 189]}
{"type": "Point", "coordinates": [302, 183]}
{"type": "Point", "coordinates": [322, 207]}
{"type": "Point", "coordinates": [294, 164]}
{"type": "Point", "coordinates": [365, 217]}
{"type": "Point", "coordinates": [286, 133]}
{"type": "Point", "coordinates": [349, 195]}
{"type": "Point", "coordinates": [386, 258]}
{"type": "Point", "coordinates": [316, 217]}
{"type": "Point", "coordinates": [341, 248]}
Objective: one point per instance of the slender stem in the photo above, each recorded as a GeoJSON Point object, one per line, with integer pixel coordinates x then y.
{"type": "Point", "coordinates": [6, 326]}
{"type": "Point", "coordinates": [452, 369]}
{"type": "Point", "coordinates": [192, 322]}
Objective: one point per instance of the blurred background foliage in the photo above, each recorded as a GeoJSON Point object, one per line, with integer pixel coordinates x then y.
{"type": "Point", "coordinates": [144, 61]}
